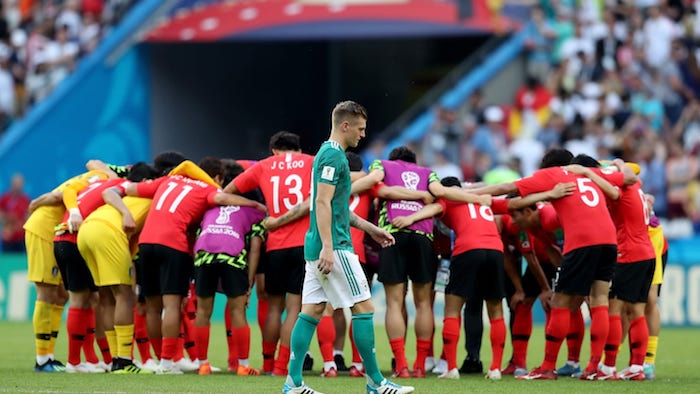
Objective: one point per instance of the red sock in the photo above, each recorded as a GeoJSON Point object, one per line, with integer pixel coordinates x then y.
{"type": "Point", "coordinates": [422, 348]}
{"type": "Point", "coordinates": [76, 326]}
{"type": "Point", "coordinates": [554, 336]}
{"type": "Point", "coordinates": [450, 337]}
{"type": "Point", "coordinates": [325, 331]}
{"type": "Point", "coordinates": [229, 337]}
{"type": "Point", "coordinates": [268, 351]}
{"type": "Point", "coordinates": [103, 344]}
{"type": "Point", "coordinates": [141, 337]}
{"type": "Point", "coordinates": [180, 349]}
{"type": "Point", "coordinates": [157, 344]}
{"type": "Point", "coordinates": [398, 347]}
{"type": "Point", "coordinates": [170, 346]}
{"type": "Point", "coordinates": [201, 339]}
{"type": "Point", "coordinates": [498, 342]}
{"type": "Point", "coordinates": [639, 337]}
{"type": "Point", "coordinates": [600, 325]}
{"type": "Point", "coordinates": [520, 334]}
{"type": "Point", "coordinates": [262, 313]}
{"type": "Point", "coordinates": [612, 343]}
{"type": "Point", "coordinates": [89, 343]}
{"type": "Point", "coordinates": [356, 358]}
{"type": "Point", "coordinates": [574, 339]}
{"type": "Point", "coordinates": [189, 344]}
{"type": "Point", "coordinates": [242, 337]}
{"type": "Point", "coordinates": [282, 360]}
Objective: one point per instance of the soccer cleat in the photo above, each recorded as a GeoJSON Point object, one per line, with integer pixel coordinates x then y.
{"type": "Point", "coordinates": [429, 364]}
{"type": "Point", "coordinates": [48, 366]}
{"type": "Point", "coordinates": [649, 371]}
{"type": "Point", "coordinates": [96, 368]}
{"type": "Point", "coordinates": [493, 374]}
{"type": "Point", "coordinates": [104, 366]}
{"type": "Point", "coordinates": [539, 373]}
{"type": "Point", "coordinates": [127, 367]}
{"type": "Point", "coordinates": [570, 369]}
{"type": "Point", "coordinates": [440, 368]}
{"type": "Point", "coordinates": [451, 374]}
{"type": "Point", "coordinates": [589, 374]}
{"type": "Point", "coordinates": [150, 365]}
{"type": "Point", "coordinates": [403, 373]}
{"type": "Point", "coordinates": [520, 372]}
{"type": "Point", "coordinates": [204, 369]}
{"type": "Point", "coordinates": [303, 389]}
{"type": "Point", "coordinates": [472, 366]}
{"type": "Point", "coordinates": [172, 370]}
{"type": "Point", "coordinates": [215, 369]}
{"type": "Point", "coordinates": [418, 372]}
{"type": "Point", "coordinates": [388, 387]}
{"type": "Point", "coordinates": [307, 365]}
{"type": "Point", "coordinates": [606, 373]}
{"type": "Point", "coordinates": [632, 374]}
{"type": "Point", "coordinates": [331, 373]}
{"type": "Point", "coordinates": [78, 368]}
{"type": "Point", "coordinates": [340, 363]}
{"type": "Point", "coordinates": [186, 365]}
{"type": "Point", "coordinates": [279, 372]}
{"type": "Point", "coordinates": [247, 370]}
{"type": "Point", "coordinates": [233, 365]}
{"type": "Point", "coordinates": [356, 372]}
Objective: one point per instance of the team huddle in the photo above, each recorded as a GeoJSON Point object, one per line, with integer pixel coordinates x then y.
{"type": "Point", "coordinates": [140, 251]}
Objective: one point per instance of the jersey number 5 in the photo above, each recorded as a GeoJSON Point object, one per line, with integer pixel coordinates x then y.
{"type": "Point", "coordinates": [589, 194]}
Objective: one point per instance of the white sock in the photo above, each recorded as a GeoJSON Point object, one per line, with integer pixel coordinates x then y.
{"type": "Point", "coordinates": [41, 360]}
{"type": "Point", "coordinates": [206, 360]}
{"type": "Point", "coordinates": [337, 352]}
{"type": "Point", "coordinates": [327, 365]}
{"type": "Point", "coordinates": [573, 363]}
{"type": "Point", "coordinates": [165, 363]}
{"type": "Point", "coordinates": [243, 362]}
{"type": "Point", "coordinates": [634, 368]}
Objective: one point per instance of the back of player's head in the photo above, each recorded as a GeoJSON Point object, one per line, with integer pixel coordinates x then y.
{"type": "Point", "coordinates": [231, 170]}
{"type": "Point", "coordinates": [165, 161]}
{"type": "Point", "coordinates": [285, 140]}
{"type": "Point", "coordinates": [347, 111]}
{"type": "Point", "coordinates": [403, 153]}
{"type": "Point", "coordinates": [450, 181]}
{"type": "Point", "coordinates": [212, 166]}
{"type": "Point", "coordinates": [354, 161]}
{"type": "Point", "coordinates": [141, 171]}
{"type": "Point", "coordinates": [585, 160]}
{"type": "Point", "coordinates": [556, 157]}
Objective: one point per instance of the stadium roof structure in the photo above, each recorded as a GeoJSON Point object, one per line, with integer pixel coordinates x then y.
{"type": "Point", "coordinates": [211, 21]}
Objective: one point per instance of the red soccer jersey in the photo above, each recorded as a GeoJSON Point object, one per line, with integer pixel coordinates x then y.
{"type": "Point", "coordinates": [549, 231]}
{"type": "Point", "coordinates": [630, 214]}
{"type": "Point", "coordinates": [513, 235]}
{"type": "Point", "coordinates": [359, 205]}
{"type": "Point", "coordinates": [89, 199]}
{"type": "Point", "coordinates": [473, 225]}
{"type": "Point", "coordinates": [285, 181]}
{"type": "Point", "coordinates": [499, 206]}
{"type": "Point", "coordinates": [583, 214]}
{"type": "Point", "coordinates": [178, 202]}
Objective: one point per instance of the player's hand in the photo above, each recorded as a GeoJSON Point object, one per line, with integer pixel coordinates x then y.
{"type": "Point", "coordinates": [325, 260]}
{"type": "Point", "coordinates": [382, 237]}
{"type": "Point", "coordinates": [270, 223]}
{"type": "Point", "coordinates": [427, 198]}
{"type": "Point", "coordinates": [546, 300]}
{"type": "Point", "coordinates": [401, 222]}
{"type": "Point", "coordinates": [517, 298]}
{"type": "Point", "coordinates": [75, 219]}
{"type": "Point", "coordinates": [128, 224]}
{"type": "Point", "coordinates": [561, 190]}
{"type": "Point", "coordinates": [260, 207]}
{"type": "Point", "coordinates": [485, 200]}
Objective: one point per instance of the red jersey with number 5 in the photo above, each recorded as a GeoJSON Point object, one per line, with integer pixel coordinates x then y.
{"type": "Point", "coordinates": [285, 181]}
{"type": "Point", "coordinates": [583, 215]}
{"type": "Point", "coordinates": [473, 225]}
{"type": "Point", "coordinates": [178, 202]}
{"type": "Point", "coordinates": [630, 214]}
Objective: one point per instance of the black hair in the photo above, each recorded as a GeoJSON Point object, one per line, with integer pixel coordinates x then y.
{"type": "Point", "coordinates": [585, 160]}
{"type": "Point", "coordinates": [354, 161]}
{"type": "Point", "coordinates": [231, 170]}
{"type": "Point", "coordinates": [556, 157]}
{"type": "Point", "coordinates": [140, 171]}
{"type": "Point", "coordinates": [403, 153]}
{"type": "Point", "coordinates": [284, 140]}
{"type": "Point", "coordinates": [450, 181]}
{"type": "Point", "coordinates": [212, 166]}
{"type": "Point", "coordinates": [166, 161]}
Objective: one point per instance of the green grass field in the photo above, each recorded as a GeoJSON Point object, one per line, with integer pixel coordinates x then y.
{"type": "Point", "coordinates": [677, 371]}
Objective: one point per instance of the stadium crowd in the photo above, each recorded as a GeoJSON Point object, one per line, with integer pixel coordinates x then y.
{"type": "Point", "coordinates": [41, 41]}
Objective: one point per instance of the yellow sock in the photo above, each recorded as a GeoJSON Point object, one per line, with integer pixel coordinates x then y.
{"type": "Point", "coordinates": [42, 327]}
{"type": "Point", "coordinates": [125, 337]}
{"type": "Point", "coordinates": [112, 341]}
{"type": "Point", "coordinates": [652, 345]}
{"type": "Point", "coordinates": [56, 318]}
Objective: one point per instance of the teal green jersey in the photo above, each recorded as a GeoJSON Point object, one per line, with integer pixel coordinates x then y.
{"type": "Point", "coordinates": [330, 167]}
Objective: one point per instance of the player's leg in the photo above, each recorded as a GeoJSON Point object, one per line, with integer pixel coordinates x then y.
{"type": "Point", "coordinates": [653, 316]}
{"type": "Point", "coordinates": [293, 280]}
{"type": "Point", "coordinates": [175, 274]}
{"type": "Point", "coordinates": [341, 325]}
{"type": "Point", "coordinates": [276, 291]}
{"type": "Point", "coordinates": [473, 332]}
{"type": "Point", "coordinates": [638, 283]}
{"type": "Point", "coordinates": [206, 278]}
{"type": "Point", "coordinates": [421, 271]}
{"type": "Point", "coordinates": [574, 340]}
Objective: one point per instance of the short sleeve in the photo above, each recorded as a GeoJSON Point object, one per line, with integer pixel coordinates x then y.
{"type": "Point", "coordinates": [539, 181]}
{"type": "Point", "coordinates": [248, 179]}
{"type": "Point", "coordinates": [258, 230]}
{"type": "Point", "coordinates": [148, 189]}
{"type": "Point", "coordinates": [444, 204]}
{"type": "Point", "coordinates": [499, 206]}
{"type": "Point", "coordinates": [616, 178]}
{"type": "Point", "coordinates": [121, 171]}
{"type": "Point", "coordinates": [329, 168]}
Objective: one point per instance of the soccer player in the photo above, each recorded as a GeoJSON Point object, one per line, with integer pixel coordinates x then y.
{"type": "Point", "coordinates": [166, 262]}
{"type": "Point", "coordinates": [104, 242]}
{"type": "Point", "coordinates": [42, 268]}
{"type": "Point", "coordinates": [284, 179]}
{"type": "Point", "coordinates": [333, 273]}
{"type": "Point", "coordinates": [590, 252]}
{"type": "Point", "coordinates": [227, 251]}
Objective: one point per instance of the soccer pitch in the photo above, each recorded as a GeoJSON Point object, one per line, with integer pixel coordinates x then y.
{"type": "Point", "coordinates": [677, 370]}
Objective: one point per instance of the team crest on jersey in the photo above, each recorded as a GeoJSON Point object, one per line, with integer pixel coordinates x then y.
{"type": "Point", "coordinates": [225, 214]}
{"type": "Point", "coordinates": [410, 180]}
{"type": "Point", "coordinates": [328, 173]}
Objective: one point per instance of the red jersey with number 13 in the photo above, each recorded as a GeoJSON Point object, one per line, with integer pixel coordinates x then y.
{"type": "Point", "coordinates": [285, 181]}
{"type": "Point", "coordinates": [583, 215]}
{"type": "Point", "coordinates": [178, 202]}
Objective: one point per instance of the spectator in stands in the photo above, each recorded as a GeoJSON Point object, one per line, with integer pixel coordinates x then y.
{"type": "Point", "coordinates": [681, 168]}
{"type": "Point", "coordinates": [443, 136]}
{"type": "Point", "coordinates": [7, 89]}
{"type": "Point", "coordinates": [659, 31]}
{"type": "Point", "coordinates": [490, 138]}
{"type": "Point", "coordinates": [539, 44]}
{"type": "Point", "coordinates": [687, 129]}
{"type": "Point", "coordinates": [692, 205]}
{"type": "Point", "coordinates": [14, 205]}
{"type": "Point", "coordinates": [550, 135]}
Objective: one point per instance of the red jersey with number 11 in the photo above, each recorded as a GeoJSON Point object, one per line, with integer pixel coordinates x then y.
{"type": "Point", "coordinates": [178, 202]}
{"type": "Point", "coordinates": [285, 181]}
{"type": "Point", "coordinates": [583, 215]}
